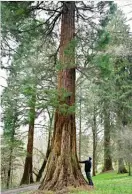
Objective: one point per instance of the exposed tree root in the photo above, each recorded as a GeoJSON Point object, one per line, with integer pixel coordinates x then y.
{"type": "Point", "coordinates": [66, 190]}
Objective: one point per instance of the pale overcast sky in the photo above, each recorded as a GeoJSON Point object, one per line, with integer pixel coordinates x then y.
{"type": "Point", "coordinates": [126, 6]}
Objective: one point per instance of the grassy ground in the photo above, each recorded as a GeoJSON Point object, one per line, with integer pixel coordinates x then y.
{"type": "Point", "coordinates": [111, 183]}
{"type": "Point", "coordinates": [107, 183]}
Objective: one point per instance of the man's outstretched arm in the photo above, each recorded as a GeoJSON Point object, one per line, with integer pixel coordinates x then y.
{"type": "Point", "coordinates": [82, 161]}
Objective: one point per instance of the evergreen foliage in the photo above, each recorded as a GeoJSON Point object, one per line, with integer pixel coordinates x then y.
{"type": "Point", "coordinates": [102, 47]}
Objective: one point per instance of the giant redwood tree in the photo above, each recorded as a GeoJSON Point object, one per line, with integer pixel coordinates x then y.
{"type": "Point", "coordinates": [62, 169]}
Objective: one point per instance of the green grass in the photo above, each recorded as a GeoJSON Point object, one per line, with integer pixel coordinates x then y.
{"type": "Point", "coordinates": [108, 183]}
{"type": "Point", "coordinates": [111, 183]}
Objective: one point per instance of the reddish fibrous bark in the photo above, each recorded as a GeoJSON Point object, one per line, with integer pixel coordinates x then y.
{"type": "Point", "coordinates": [27, 177]}
{"type": "Point", "coordinates": [62, 169]}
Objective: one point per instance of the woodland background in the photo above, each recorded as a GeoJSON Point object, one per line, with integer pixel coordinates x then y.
{"type": "Point", "coordinates": [30, 64]}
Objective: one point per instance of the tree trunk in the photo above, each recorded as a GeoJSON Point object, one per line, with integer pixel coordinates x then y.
{"type": "Point", "coordinates": [121, 165]}
{"type": "Point", "coordinates": [39, 175]}
{"type": "Point", "coordinates": [62, 168]}
{"type": "Point", "coordinates": [28, 168]}
{"type": "Point", "coordinates": [107, 146]}
{"type": "Point", "coordinates": [129, 167]}
{"type": "Point", "coordinates": [94, 130]}
{"type": "Point", "coordinates": [45, 159]}
{"type": "Point", "coordinates": [12, 139]}
{"type": "Point", "coordinates": [80, 127]}
{"type": "Point", "coordinates": [9, 169]}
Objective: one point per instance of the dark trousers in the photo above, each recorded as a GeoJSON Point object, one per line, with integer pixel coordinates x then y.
{"type": "Point", "coordinates": [88, 175]}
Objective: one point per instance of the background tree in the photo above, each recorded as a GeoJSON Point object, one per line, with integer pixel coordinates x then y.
{"type": "Point", "coordinates": [11, 144]}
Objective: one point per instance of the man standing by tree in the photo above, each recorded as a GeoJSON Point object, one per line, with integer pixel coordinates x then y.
{"type": "Point", "coordinates": [88, 165]}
